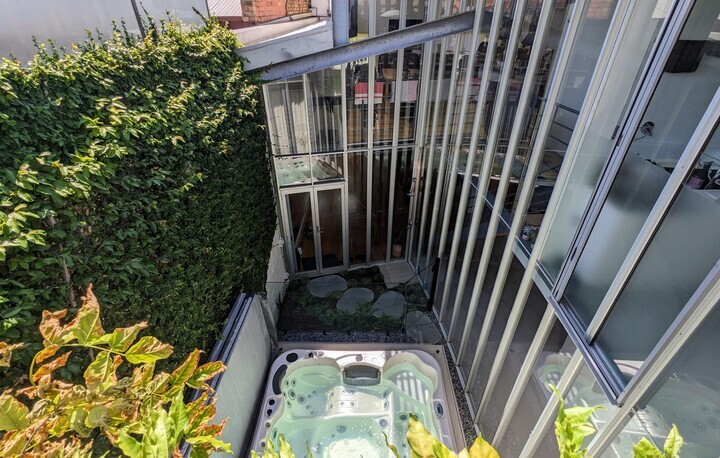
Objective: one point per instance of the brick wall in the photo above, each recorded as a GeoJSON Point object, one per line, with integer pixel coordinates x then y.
{"type": "Point", "coordinates": [297, 6]}
{"type": "Point", "coordinates": [258, 11]}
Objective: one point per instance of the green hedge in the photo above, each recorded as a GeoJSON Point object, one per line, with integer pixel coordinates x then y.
{"type": "Point", "coordinates": [138, 165]}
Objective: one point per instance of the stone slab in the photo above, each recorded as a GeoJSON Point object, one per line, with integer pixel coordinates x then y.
{"type": "Point", "coordinates": [353, 298]}
{"type": "Point", "coordinates": [421, 329]}
{"type": "Point", "coordinates": [325, 286]}
{"type": "Point", "coordinates": [390, 303]}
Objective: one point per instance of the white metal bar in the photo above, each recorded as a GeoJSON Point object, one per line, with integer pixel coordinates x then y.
{"type": "Point", "coordinates": [535, 160]}
{"type": "Point", "coordinates": [470, 70]}
{"type": "Point", "coordinates": [431, 150]}
{"type": "Point", "coordinates": [644, 91]}
{"type": "Point", "coordinates": [433, 137]}
{"type": "Point", "coordinates": [472, 156]}
{"type": "Point", "coordinates": [437, 201]}
{"type": "Point", "coordinates": [370, 156]}
{"type": "Point", "coordinates": [693, 150]}
{"type": "Point", "coordinates": [493, 136]}
{"type": "Point", "coordinates": [525, 374]}
{"type": "Point", "coordinates": [701, 304]}
{"type": "Point", "coordinates": [547, 417]}
{"type": "Point", "coordinates": [419, 153]}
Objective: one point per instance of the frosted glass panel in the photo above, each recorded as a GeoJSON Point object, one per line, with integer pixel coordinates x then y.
{"type": "Point", "coordinates": [679, 257]}
{"type": "Point", "coordinates": [689, 396]}
{"type": "Point", "coordinates": [629, 202]}
{"type": "Point", "coordinates": [683, 93]}
{"type": "Point", "coordinates": [597, 141]}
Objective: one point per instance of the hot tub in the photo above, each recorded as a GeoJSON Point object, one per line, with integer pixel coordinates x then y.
{"type": "Point", "coordinates": [343, 402]}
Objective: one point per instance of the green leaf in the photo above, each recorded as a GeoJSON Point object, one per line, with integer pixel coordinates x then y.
{"type": "Point", "coordinates": [216, 444]}
{"type": "Point", "coordinates": [86, 326]}
{"type": "Point", "coordinates": [423, 444]}
{"type": "Point", "coordinates": [148, 350]}
{"type": "Point", "coordinates": [673, 444]}
{"type": "Point", "coordinates": [392, 448]}
{"type": "Point", "coordinates": [285, 449]}
{"type": "Point", "coordinates": [178, 419]}
{"type": "Point", "coordinates": [205, 372]}
{"type": "Point", "coordinates": [186, 370]}
{"type": "Point", "coordinates": [13, 414]}
{"type": "Point", "coordinates": [121, 338]}
{"type": "Point", "coordinates": [128, 444]}
{"type": "Point", "coordinates": [482, 449]}
{"type": "Point", "coordinates": [101, 371]}
{"type": "Point", "coordinates": [98, 416]}
{"type": "Point", "coordinates": [646, 449]}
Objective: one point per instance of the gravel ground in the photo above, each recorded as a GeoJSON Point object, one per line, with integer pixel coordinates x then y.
{"type": "Point", "coordinates": [393, 337]}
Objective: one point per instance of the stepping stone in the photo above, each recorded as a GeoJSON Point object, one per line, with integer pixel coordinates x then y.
{"type": "Point", "coordinates": [390, 304]}
{"type": "Point", "coordinates": [353, 298]}
{"type": "Point", "coordinates": [421, 329]}
{"type": "Point", "coordinates": [325, 286]}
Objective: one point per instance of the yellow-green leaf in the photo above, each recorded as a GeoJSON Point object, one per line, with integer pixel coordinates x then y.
{"type": "Point", "coordinates": [101, 370]}
{"type": "Point", "coordinates": [646, 449]}
{"type": "Point", "coordinates": [205, 372]}
{"type": "Point", "coordinates": [673, 443]}
{"type": "Point", "coordinates": [186, 370]}
{"type": "Point", "coordinates": [13, 414]}
{"type": "Point", "coordinates": [148, 350]}
{"type": "Point", "coordinates": [121, 338]}
{"type": "Point", "coordinates": [482, 449]}
{"type": "Point", "coordinates": [86, 326]}
{"type": "Point", "coordinates": [128, 444]}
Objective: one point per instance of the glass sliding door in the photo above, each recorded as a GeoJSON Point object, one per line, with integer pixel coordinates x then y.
{"type": "Point", "coordinates": [300, 221]}
{"type": "Point", "coordinates": [316, 220]}
{"type": "Point", "coordinates": [330, 227]}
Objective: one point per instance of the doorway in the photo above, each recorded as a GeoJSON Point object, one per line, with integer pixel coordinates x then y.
{"type": "Point", "coordinates": [316, 220]}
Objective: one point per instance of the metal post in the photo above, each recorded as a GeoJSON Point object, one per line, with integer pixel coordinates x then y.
{"type": "Point", "coordinates": [372, 46]}
{"type": "Point", "coordinates": [525, 375]}
{"type": "Point", "coordinates": [527, 191]}
{"type": "Point", "coordinates": [497, 120]}
{"type": "Point", "coordinates": [340, 22]}
{"type": "Point", "coordinates": [443, 150]}
{"type": "Point", "coordinates": [472, 57]}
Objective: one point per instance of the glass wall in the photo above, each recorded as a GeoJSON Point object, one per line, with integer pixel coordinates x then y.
{"type": "Point", "coordinates": [597, 139]}
{"type": "Point", "coordinates": [683, 93]}
{"type": "Point", "coordinates": [548, 369]}
{"type": "Point", "coordinates": [679, 257]}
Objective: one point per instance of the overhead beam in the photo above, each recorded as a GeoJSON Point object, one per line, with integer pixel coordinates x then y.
{"type": "Point", "coordinates": [387, 42]}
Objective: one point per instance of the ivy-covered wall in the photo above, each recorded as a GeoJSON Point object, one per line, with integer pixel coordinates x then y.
{"type": "Point", "coordinates": [137, 165]}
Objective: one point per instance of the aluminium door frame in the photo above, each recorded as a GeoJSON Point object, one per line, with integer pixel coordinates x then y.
{"type": "Point", "coordinates": [317, 236]}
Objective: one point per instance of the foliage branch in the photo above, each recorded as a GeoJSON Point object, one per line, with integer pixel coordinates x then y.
{"type": "Point", "coordinates": [143, 413]}
{"type": "Point", "coordinates": [138, 165]}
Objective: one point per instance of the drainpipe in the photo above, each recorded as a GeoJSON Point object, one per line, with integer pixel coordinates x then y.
{"type": "Point", "coordinates": [341, 22]}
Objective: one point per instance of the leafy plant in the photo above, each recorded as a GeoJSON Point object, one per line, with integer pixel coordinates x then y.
{"type": "Point", "coordinates": [425, 445]}
{"type": "Point", "coordinates": [138, 165]}
{"type": "Point", "coordinates": [572, 426]}
{"type": "Point", "coordinates": [671, 449]}
{"type": "Point", "coordinates": [284, 450]}
{"type": "Point", "coordinates": [141, 412]}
